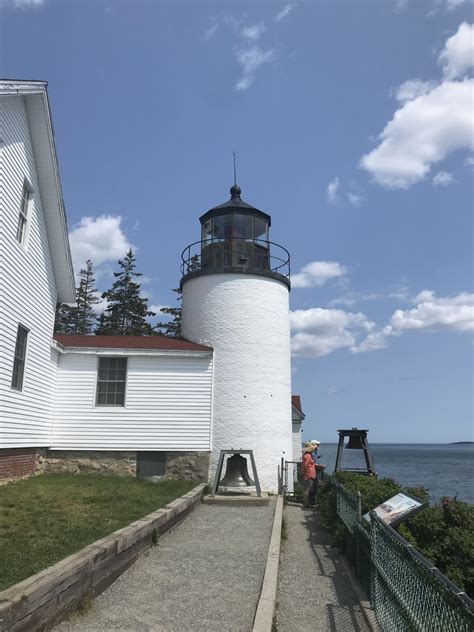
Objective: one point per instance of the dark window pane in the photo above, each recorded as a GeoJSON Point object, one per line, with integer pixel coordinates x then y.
{"type": "Point", "coordinates": [19, 358]}
{"type": "Point", "coordinates": [111, 380]}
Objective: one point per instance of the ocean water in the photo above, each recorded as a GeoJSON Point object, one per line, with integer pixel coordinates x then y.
{"type": "Point", "coordinates": [445, 470]}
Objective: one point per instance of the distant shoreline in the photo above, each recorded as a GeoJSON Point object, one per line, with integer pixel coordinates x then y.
{"type": "Point", "coordinates": [461, 442]}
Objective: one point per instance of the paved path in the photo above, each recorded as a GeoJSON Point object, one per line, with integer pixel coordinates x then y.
{"type": "Point", "coordinates": [314, 591]}
{"type": "Point", "coordinates": [204, 575]}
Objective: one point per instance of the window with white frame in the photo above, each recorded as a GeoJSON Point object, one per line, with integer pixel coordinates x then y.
{"type": "Point", "coordinates": [19, 358]}
{"type": "Point", "coordinates": [111, 379]}
{"type": "Point", "coordinates": [23, 216]}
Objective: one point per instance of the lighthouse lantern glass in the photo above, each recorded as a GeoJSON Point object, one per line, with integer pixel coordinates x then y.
{"type": "Point", "coordinates": [234, 226]}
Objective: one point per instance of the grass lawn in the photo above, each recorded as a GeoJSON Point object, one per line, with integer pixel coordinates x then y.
{"type": "Point", "coordinates": [46, 518]}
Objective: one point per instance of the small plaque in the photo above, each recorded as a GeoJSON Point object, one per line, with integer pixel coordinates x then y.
{"type": "Point", "coordinates": [398, 508]}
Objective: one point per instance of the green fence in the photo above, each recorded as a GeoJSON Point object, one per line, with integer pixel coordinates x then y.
{"type": "Point", "coordinates": [407, 593]}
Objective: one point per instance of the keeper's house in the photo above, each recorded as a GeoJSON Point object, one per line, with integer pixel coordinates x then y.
{"type": "Point", "coordinates": [135, 405]}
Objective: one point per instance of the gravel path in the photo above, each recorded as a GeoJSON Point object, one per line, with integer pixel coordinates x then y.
{"type": "Point", "coordinates": [206, 574]}
{"type": "Point", "coordinates": [314, 592]}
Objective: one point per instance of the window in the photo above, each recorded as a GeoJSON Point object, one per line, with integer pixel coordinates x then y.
{"type": "Point", "coordinates": [111, 381]}
{"type": "Point", "coordinates": [19, 359]}
{"type": "Point", "coordinates": [23, 217]}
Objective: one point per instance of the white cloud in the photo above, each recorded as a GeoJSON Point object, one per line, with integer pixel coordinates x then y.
{"type": "Point", "coordinates": [442, 179]}
{"type": "Point", "coordinates": [422, 133]}
{"type": "Point", "coordinates": [284, 12]}
{"type": "Point", "coordinates": [332, 191]}
{"type": "Point", "coordinates": [251, 59]}
{"type": "Point", "coordinates": [354, 198]}
{"type": "Point", "coordinates": [209, 32]}
{"type": "Point", "coordinates": [430, 314]}
{"type": "Point", "coordinates": [454, 4]}
{"type": "Point", "coordinates": [100, 239]}
{"type": "Point", "coordinates": [469, 162]}
{"type": "Point", "coordinates": [332, 390]}
{"type": "Point", "coordinates": [101, 305]}
{"type": "Point", "coordinates": [351, 298]}
{"type": "Point", "coordinates": [457, 56]}
{"type": "Point", "coordinates": [27, 4]}
{"type": "Point", "coordinates": [455, 313]}
{"type": "Point", "coordinates": [319, 332]}
{"type": "Point", "coordinates": [335, 195]}
{"type": "Point", "coordinates": [433, 121]}
{"type": "Point", "coordinates": [413, 88]}
{"type": "Point", "coordinates": [317, 273]}
{"type": "Point", "coordinates": [253, 32]}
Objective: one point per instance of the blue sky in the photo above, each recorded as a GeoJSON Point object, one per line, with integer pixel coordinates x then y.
{"type": "Point", "coordinates": [353, 126]}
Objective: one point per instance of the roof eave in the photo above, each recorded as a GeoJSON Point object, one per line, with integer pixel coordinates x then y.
{"type": "Point", "coordinates": [36, 96]}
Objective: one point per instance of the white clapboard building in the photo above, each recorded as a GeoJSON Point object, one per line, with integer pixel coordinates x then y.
{"type": "Point", "coordinates": [151, 405]}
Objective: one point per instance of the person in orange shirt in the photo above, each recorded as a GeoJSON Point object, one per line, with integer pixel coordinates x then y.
{"type": "Point", "coordinates": [308, 472]}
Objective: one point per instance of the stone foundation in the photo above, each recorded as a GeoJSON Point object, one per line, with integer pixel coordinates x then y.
{"type": "Point", "coordinates": [188, 465]}
{"type": "Point", "coordinates": [86, 461]}
{"type": "Point", "coordinates": [179, 465]}
{"type": "Point", "coordinates": [17, 462]}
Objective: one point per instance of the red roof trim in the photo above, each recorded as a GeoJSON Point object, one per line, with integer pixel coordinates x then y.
{"type": "Point", "coordinates": [296, 402]}
{"type": "Point", "coordinates": [166, 343]}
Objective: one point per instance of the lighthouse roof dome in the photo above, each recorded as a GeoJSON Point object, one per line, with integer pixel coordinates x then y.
{"type": "Point", "coordinates": [235, 204]}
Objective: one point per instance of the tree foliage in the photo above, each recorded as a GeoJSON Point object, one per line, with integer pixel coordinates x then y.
{"type": "Point", "coordinates": [79, 318]}
{"type": "Point", "coordinates": [171, 327]}
{"type": "Point", "coordinates": [442, 532]}
{"type": "Point", "coordinates": [127, 310]}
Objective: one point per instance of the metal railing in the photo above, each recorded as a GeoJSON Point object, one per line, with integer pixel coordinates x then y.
{"type": "Point", "coordinates": [407, 593]}
{"type": "Point", "coordinates": [292, 479]}
{"type": "Point", "coordinates": [235, 254]}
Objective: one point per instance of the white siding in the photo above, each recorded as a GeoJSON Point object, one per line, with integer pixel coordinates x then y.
{"type": "Point", "coordinates": [297, 447]}
{"type": "Point", "coordinates": [27, 290]}
{"type": "Point", "coordinates": [167, 405]}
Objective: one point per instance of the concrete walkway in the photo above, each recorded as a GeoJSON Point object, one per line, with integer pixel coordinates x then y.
{"type": "Point", "coordinates": [205, 574]}
{"type": "Point", "coordinates": [314, 590]}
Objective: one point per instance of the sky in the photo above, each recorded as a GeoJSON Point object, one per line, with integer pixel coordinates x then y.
{"type": "Point", "coordinates": [353, 127]}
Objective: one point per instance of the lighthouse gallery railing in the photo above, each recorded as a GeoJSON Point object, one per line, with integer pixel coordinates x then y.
{"type": "Point", "coordinates": [235, 254]}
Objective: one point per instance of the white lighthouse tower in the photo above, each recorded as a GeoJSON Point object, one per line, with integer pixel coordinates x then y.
{"type": "Point", "coordinates": [235, 288]}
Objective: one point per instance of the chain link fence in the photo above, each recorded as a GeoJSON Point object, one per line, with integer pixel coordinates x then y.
{"type": "Point", "coordinates": [407, 593]}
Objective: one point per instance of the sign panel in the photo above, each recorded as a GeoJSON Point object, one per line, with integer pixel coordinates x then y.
{"type": "Point", "coordinates": [398, 508]}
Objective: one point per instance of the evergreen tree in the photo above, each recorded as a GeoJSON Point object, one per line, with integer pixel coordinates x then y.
{"type": "Point", "coordinates": [79, 318]}
{"type": "Point", "coordinates": [173, 327]}
{"type": "Point", "coordinates": [127, 311]}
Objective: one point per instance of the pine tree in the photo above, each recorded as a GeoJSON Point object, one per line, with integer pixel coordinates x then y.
{"type": "Point", "coordinates": [79, 318]}
{"type": "Point", "coordinates": [127, 311]}
{"type": "Point", "coordinates": [173, 327]}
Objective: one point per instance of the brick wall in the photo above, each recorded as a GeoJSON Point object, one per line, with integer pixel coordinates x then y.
{"type": "Point", "coordinates": [17, 462]}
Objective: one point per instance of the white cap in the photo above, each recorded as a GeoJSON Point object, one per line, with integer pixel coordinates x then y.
{"type": "Point", "coordinates": [314, 442]}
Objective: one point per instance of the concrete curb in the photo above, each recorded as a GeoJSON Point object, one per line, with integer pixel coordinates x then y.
{"type": "Point", "coordinates": [41, 601]}
{"type": "Point", "coordinates": [267, 601]}
{"type": "Point", "coordinates": [367, 610]}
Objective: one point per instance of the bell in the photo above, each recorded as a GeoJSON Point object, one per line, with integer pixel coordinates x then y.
{"type": "Point", "coordinates": [355, 443]}
{"type": "Point", "coordinates": [236, 474]}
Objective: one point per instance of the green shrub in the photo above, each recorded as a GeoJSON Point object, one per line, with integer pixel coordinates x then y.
{"type": "Point", "coordinates": [443, 533]}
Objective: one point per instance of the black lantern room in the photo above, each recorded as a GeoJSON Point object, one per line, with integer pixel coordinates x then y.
{"type": "Point", "coordinates": [235, 239]}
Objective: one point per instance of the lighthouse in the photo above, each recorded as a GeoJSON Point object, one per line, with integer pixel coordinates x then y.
{"type": "Point", "coordinates": [235, 286]}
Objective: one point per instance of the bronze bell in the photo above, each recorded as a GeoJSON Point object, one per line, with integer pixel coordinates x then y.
{"type": "Point", "coordinates": [236, 474]}
{"type": "Point", "coordinates": [355, 443]}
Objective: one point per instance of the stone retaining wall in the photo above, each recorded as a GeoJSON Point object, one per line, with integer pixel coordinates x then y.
{"type": "Point", "coordinates": [41, 601]}
{"type": "Point", "coordinates": [75, 461]}
{"type": "Point", "coordinates": [179, 465]}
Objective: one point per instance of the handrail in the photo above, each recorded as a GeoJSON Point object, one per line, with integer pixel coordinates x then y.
{"type": "Point", "coordinates": [193, 257]}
